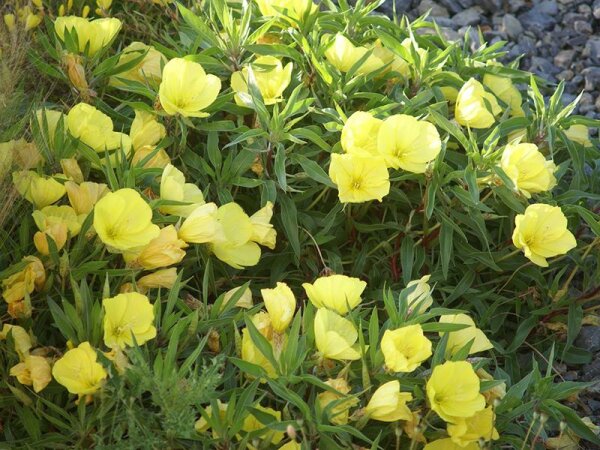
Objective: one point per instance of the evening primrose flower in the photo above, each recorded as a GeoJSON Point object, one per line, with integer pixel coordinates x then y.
{"type": "Point", "coordinates": [295, 9]}
{"type": "Point", "coordinates": [528, 169]}
{"type": "Point", "coordinates": [146, 130]}
{"type": "Point", "coordinates": [475, 107]}
{"type": "Point", "coordinates": [186, 89]}
{"type": "Point", "coordinates": [280, 303]}
{"type": "Point", "coordinates": [338, 414]}
{"type": "Point", "coordinates": [123, 220]}
{"type": "Point", "coordinates": [358, 134]}
{"type": "Point", "coordinates": [79, 371]}
{"type": "Point", "coordinates": [263, 232]}
{"type": "Point", "coordinates": [56, 222]}
{"type": "Point", "coordinates": [92, 35]}
{"type": "Point", "coordinates": [174, 188]}
{"type": "Point", "coordinates": [542, 233]}
{"type": "Point", "coordinates": [202, 425]}
{"type": "Point", "coordinates": [453, 391]}
{"type": "Point", "coordinates": [85, 195]}
{"type": "Point", "coordinates": [250, 351]}
{"type": "Point", "coordinates": [505, 90]}
{"type": "Point", "coordinates": [201, 225]}
{"type": "Point", "coordinates": [20, 337]}
{"type": "Point", "coordinates": [359, 179]}
{"type": "Point", "coordinates": [164, 250]}
{"type": "Point", "coordinates": [335, 336]}
{"type": "Point", "coordinates": [470, 430]}
{"type": "Point", "coordinates": [244, 301]}
{"type": "Point", "coordinates": [148, 70]}
{"type": "Point", "coordinates": [458, 339]}
{"type": "Point", "coordinates": [252, 423]}
{"type": "Point", "coordinates": [95, 129]}
{"type": "Point", "coordinates": [163, 278]}
{"type": "Point", "coordinates": [159, 159]}
{"type": "Point", "coordinates": [408, 143]}
{"type": "Point", "coordinates": [388, 404]}
{"type": "Point", "coordinates": [39, 190]}
{"type": "Point", "coordinates": [404, 349]}
{"type": "Point", "coordinates": [128, 316]}
{"type": "Point", "coordinates": [338, 293]}
{"type": "Point", "coordinates": [420, 299]}
{"type": "Point", "coordinates": [448, 444]}
{"type": "Point", "coordinates": [580, 134]}
{"type": "Point", "coordinates": [343, 54]}
{"type": "Point", "coordinates": [33, 371]}
{"type": "Point", "coordinates": [19, 285]}
{"type": "Point", "coordinates": [232, 243]}
{"type": "Point", "coordinates": [271, 77]}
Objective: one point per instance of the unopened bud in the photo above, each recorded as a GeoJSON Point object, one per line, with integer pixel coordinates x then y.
{"type": "Point", "coordinates": [291, 432]}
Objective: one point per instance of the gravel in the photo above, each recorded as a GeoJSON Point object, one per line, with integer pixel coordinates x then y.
{"type": "Point", "coordinates": [559, 38]}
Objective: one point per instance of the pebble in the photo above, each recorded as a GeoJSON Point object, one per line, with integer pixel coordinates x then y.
{"type": "Point", "coordinates": [470, 16]}
{"type": "Point", "coordinates": [592, 49]}
{"type": "Point", "coordinates": [592, 78]}
{"type": "Point", "coordinates": [511, 26]}
{"type": "Point", "coordinates": [564, 58]}
{"type": "Point", "coordinates": [583, 27]}
{"type": "Point", "coordinates": [596, 9]}
{"type": "Point", "coordinates": [437, 10]}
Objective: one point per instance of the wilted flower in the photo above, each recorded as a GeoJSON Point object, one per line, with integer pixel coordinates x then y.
{"type": "Point", "coordinates": [79, 371]}
{"type": "Point", "coordinates": [453, 391]}
{"type": "Point", "coordinates": [580, 134]}
{"type": "Point", "coordinates": [388, 404]}
{"type": "Point", "coordinates": [358, 134]}
{"type": "Point", "coordinates": [338, 413]}
{"type": "Point", "coordinates": [271, 78]}
{"type": "Point", "coordinates": [18, 286]}
{"type": "Point", "coordinates": [39, 190]}
{"type": "Point", "coordinates": [20, 337]}
{"type": "Point", "coordinates": [335, 336]}
{"type": "Point", "coordinates": [419, 300]}
{"type": "Point", "coordinates": [92, 35]}
{"type": "Point", "coordinates": [542, 233]}
{"type": "Point", "coordinates": [471, 430]}
{"type": "Point", "coordinates": [505, 90]}
{"type": "Point", "coordinates": [128, 316]}
{"type": "Point", "coordinates": [458, 339]}
{"type": "Point", "coordinates": [496, 393]}
{"type": "Point", "coordinates": [527, 168]}
{"type": "Point", "coordinates": [123, 220]}
{"type": "Point", "coordinates": [84, 196]}
{"type": "Point", "coordinates": [280, 304]}
{"type": "Point", "coordinates": [244, 301]}
{"type": "Point", "coordinates": [338, 293]}
{"type": "Point", "coordinates": [404, 349]}
{"type": "Point", "coordinates": [33, 371]}
{"type": "Point", "coordinates": [174, 188]}
{"type": "Point", "coordinates": [55, 222]}
{"type": "Point", "coordinates": [359, 179]}
{"type": "Point", "coordinates": [163, 278]}
{"type": "Point", "coordinates": [164, 250]}
{"type": "Point", "coordinates": [408, 143]}
{"type": "Point", "coordinates": [186, 89]}
{"type": "Point", "coordinates": [475, 107]}
{"type": "Point", "coordinates": [148, 70]}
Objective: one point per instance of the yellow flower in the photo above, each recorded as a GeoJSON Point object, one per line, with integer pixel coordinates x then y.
{"type": "Point", "coordinates": [404, 349]}
{"type": "Point", "coordinates": [447, 444]}
{"type": "Point", "coordinates": [79, 371]}
{"type": "Point", "coordinates": [458, 339]}
{"type": "Point", "coordinates": [24, 155]}
{"type": "Point", "coordinates": [164, 278]}
{"type": "Point", "coordinates": [148, 70]}
{"type": "Point", "coordinates": [271, 79]}
{"type": "Point", "coordinates": [202, 424]}
{"type": "Point", "coordinates": [201, 225]}
{"type": "Point", "coordinates": [252, 423]}
{"type": "Point", "coordinates": [186, 89]}
{"type": "Point", "coordinates": [475, 107]}
{"type": "Point", "coordinates": [250, 351]}
{"type": "Point", "coordinates": [164, 250]}
{"type": "Point", "coordinates": [338, 414]}
{"type": "Point", "coordinates": [232, 243]}
{"type": "Point", "coordinates": [505, 90]}
{"type": "Point", "coordinates": [41, 191]}
{"type": "Point", "coordinates": [92, 35]}
{"type": "Point", "coordinates": [71, 170]}
{"type": "Point", "coordinates": [280, 304]}
{"type": "Point", "coordinates": [358, 134]}
{"type": "Point", "coordinates": [470, 430]}
{"type": "Point", "coordinates": [10, 22]}
{"type": "Point", "coordinates": [335, 336]}
{"type": "Point", "coordinates": [359, 179]}
{"type": "Point", "coordinates": [128, 316]}
{"type": "Point", "coordinates": [450, 92]}
{"type": "Point", "coordinates": [343, 54]}
{"type": "Point", "coordinates": [19, 285]}
{"type": "Point", "coordinates": [245, 300]}
{"type": "Point", "coordinates": [388, 404]}
{"type": "Point", "coordinates": [542, 233]}
{"type": "Point", "coordinates": [20, 337]}
{"type": "Point", "coordinates": [339, 293]}
{"type": "Point", "coordinates": [123, 220]}
{"type": "Point", "coordinates": [453, 391]}
{"type": "Point", "coordinates": [95, 129]}
{"type": "Point", "coordinates": [56, 222]}
{"type": "Point", "coordinates": [292, 445]}
{"type": "Point", "coordinates": [496, 393]}
{"type": "Point", "coordinates": [408, 143]}
{"type": "Point", "coordinates": [48, 121]}
{"type": "Point", "coordinates": [104, 4]}
{"type": "Point", "coordinates": [174, 188]}
{"type": "Point", "coordinates": [295, 9]}
{"type": "Point", "coordinates": [579, 134]}
{"type": "Point", "coordinates": [33, 371]}
{"type": "Point", "coordinates": [528, 169]}
{"type": "Point", "coordinates": [420, 299]}
{"type": "Point", "coordinates": [263, 232]}
{"type": "Point", "coordinates": [159, 160]}
{"type": "Point", "coordinates": [146, 130]}
{"type": "Point", "coordinates": [84, 196]}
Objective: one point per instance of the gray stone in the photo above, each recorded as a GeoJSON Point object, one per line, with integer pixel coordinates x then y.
{"type": "Point", "coordinates": [436, 10]}
{"type": "Point", "coordinates": [585, 9]}
{"type": "Point", "coordinates": [470, 16]}
{"type": "Point", "coordinates": [583, 27]}
{"type": "Point", "coordinates": [544, 68]}
{"type": "Point", "coordinates": [511, 26]}
{"type": "Point", "coordinates": [536, 21]}
{"type": "Point", "coordinates": [443, 21]}
{"type": "Point", "coordinates": [597, 103]}
{"type": "Point", "coordinates": [564, 58]}
{"type": "Point", "coordinates": [450, 34]}
{"type": "Point", "coordinates": [565, 75]}
{"type": "Point", "coordinates": [547, 7]}
{"type": "Point", "coordinates": [455, 6]}
{"type": "Point", "coordinates": [592, 49]}
{"type": "Point", "coordinates": [493, 6]}
{"type": "Point", "coordinates": [596, 9]}
{"type": "Point", "coordinates": [592, 78]}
